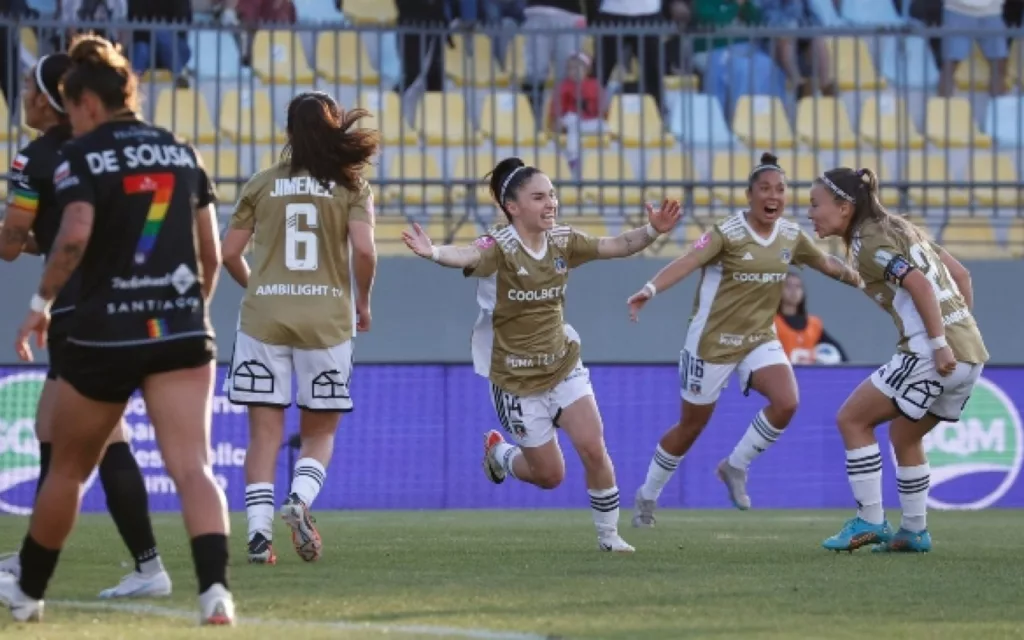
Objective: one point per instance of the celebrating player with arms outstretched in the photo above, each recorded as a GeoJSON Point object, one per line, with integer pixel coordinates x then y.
{"type": "Point", "coordinates": [939, 357]}
{"type": "Point", "coordinates": [743, 262]}
{"type": "Point", "coordinates": [522, 345]}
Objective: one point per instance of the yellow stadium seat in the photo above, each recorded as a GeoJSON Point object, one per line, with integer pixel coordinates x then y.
{"type": "Point", "coordinates": [414, 165]}
{"type": "Point", "coordinates": [636, 121]}
{"type": "Point", "coordinates": [885, 122]}
{"type": "Point", "coordinates": [761, 121]}
{"type": "Point", "coordinates": [950, 123]}
{"type": "Point", "coordinates": [972, 238]}
{"type": "Point", "coordinates": [688, 82]}
{"type": "Point", "coordinates": [802, 167]}
{"type": "Point", "coordinates": [341, 56]}
{"type": "Point", "coordinates": [1015, 238]}
{"type": "Point", "coordinates": [268, 158]}
{"type": "Point", "coordinates": [474, 164]}
{"type": "Point", "coordinates": [473, 65]}
{"type": "Point", "coordinates": [851, 57]}
{"type": "Point", "coordinates": [224, 166]}
{"type": "Point", "coordinates": [823, 123]}
{"type": "Point", "coordinates": [973, 73]}
{"type": "Point", "coordinates": [385, 107]}
{"type": "Point", "coordinates": [441, 231]}
{"type": "Point", "coordinates": [371, 11]}
{"type": "Point", "coordinates": [184, 112]}
{"type": "Point", "coordinates": [731, 167]}
{"type": "Point", "coordinates": [507, 119]}
{"type": "Point", "coordinates": [155, 76]}
{"type": "Point", "coordinates": [248, 117]}
{"type": "Point", "coordinates": [673, 168]}
{"type": "Point", "coordinates": [985, 167]}
{"type": "Point", "coordinates": [443, 119]}
{"type": "Point", "coordinates": [889, 194]}
{"type": "Point", "coordinates": [387, 235]}
{"type": "Point", "coordinates": [278, 58]}
{"type": "Point", "coordinates": [29, 41]}
{"type": "Point", "coordinates": [372, 175]}
{"type": "Point", "coordinates": [609, 169]}
{"type": "Point", "coordinates": [932, 169]}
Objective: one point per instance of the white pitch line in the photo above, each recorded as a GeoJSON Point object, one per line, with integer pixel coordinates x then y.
{"type": "Point", "coordinates": [340, 625]}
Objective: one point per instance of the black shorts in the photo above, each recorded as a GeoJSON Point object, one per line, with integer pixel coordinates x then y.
{"type": "Point", "coordinates": [56, 341]}
{"type": "Point", "coordinates": [112, 374]}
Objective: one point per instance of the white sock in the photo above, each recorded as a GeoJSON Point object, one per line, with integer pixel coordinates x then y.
{"type": "Point", "coordinates": [864, 469]}
{"type": "Point", "coordinates": [506, 454]}
{"type": "Point", "coordinates": [308, 479]}
{"type": "Point", "coordinates": [151, 567]}
{"type": "Point", "coordinates": [660, 471]}
{"type": "Point", "coordinates": [759, 436]}
{"type": "Point", "coordinates": [259, 508]}
{"type": "Point", "coordinates": [913, 484]}
{"type": "Point", "coordinates": [605, 505]}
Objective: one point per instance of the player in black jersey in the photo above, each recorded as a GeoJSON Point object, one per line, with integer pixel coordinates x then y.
{"type": "Point", "coordinates": [31, 224]}
{"type": "Point", "coordinates": [138, 218]}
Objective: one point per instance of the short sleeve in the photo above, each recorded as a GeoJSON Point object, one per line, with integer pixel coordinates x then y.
{"type": "Point", "coordinates": [490, 256]}
{"type": "Point", "coordinates": [806, 252]}
{"type": "Point", "coordinates": [244, 216]}
{"type": "Point", "coordinates": [708, 247]}
{"type": "Point", "coordinates": [360, 206]}
{"type": "Point", "coordinates": [22, 187]}
{"type": "Point", "coordinates": [581, 248]}
{"type": "Point", "coordinates": [72, 180]}
{"type": "Point", "coordinates": [883, 262]}
{"type": "Point", "coordinates": [207, 193]}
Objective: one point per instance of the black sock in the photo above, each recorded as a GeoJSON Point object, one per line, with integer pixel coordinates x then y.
{"type": "Point", "coordinates": [45, 452]}
{"type": "Point", "coordinates": [128, 501]}
{"type": "Point", "coordinates": [37, 566]}
{"type": "Point", "coordinates": [210, 555]}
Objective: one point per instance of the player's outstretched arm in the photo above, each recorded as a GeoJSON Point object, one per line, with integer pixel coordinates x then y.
{"type": "Point", "coordinates": [669, 275]}
{"type": "Point", "coordinates": [446, 255]}
{"type": "Point", "coordinates": [636, 240]}
{"type": "Point", "coordinates": [836, 269]}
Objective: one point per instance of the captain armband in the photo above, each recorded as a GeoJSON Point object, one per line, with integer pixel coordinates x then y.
{"type": "Point", "coordinates": [897, 269]}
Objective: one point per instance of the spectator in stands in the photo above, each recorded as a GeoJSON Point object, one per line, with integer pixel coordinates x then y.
{"type": "Point", "coordinates": [792, 14]}
{"type": "Point", "coordinates": [679, 49]}
{"type": "Point", "coordinates": [75, 12]}
{"type": "Point", "coordinates": [576, 107]}
{"type": "Point", "coordinates": [155, 48]}
{"type": "Point", "coordinates": [253, 14]}
{"type": "Point", "coordinates": [611, 51]}
{"type": "Point", "coordinates": [803, 336]}
{"type": "Point", "coordinates": [546, 49]}
{"type": "Point", "coordinates": [966, 15]}
{"type": "Point", "coordinates": [422, 54]}
{"type": "Point", "coordinates": [224, 11]}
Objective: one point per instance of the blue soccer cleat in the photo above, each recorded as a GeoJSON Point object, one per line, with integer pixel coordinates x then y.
{"type": "Point", "coordinates": [906, 542]}
{"type": "Point", "coordinates": [857, 533]}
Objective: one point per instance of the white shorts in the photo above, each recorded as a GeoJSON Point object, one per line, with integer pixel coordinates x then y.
{"type": "Point", "coordinates": [702, 382]}
{"type": "Point", "coordinates": [261, 374]}
{"type": "Point", "coordinates": [916, 388]}
{"type": "Point", "coordinates": [531, 420]}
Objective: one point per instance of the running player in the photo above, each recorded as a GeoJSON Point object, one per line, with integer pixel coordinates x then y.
{"type": "Point", "coordinates": [939, 357]}
{"type": "Point", "coordinates": [522, 345]}
{"type": "Point", "coordinates": [33, 218]}
{"type": "Point", "coordinates": [136, 205]}
{"type": "Point", "coordinates": [743, 262]}
{"type": "Point", "coordinates": [309, 290]}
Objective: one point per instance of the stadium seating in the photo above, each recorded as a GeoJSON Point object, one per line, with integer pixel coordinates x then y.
{"type": "Point", "coordinates": [278, 58]}
{"type": "Point", "coordinates": [885, 122]}
{"type": "Point", "coordinates": [342, 56]}
{"type": "Point", "coordinates": [247, 117]}
{"type": "Point", "coordinates": [823, 123]}
{"type": "Point", "coordinates": [186, 113]}
{"type": "Point", "coordinates": [761, 122]}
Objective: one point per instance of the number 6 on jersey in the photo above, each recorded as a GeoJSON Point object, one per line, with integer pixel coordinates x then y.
{"type": "Point", "coordinates": [300, 247]}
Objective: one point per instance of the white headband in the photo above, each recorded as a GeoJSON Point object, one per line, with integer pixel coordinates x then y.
{"type": "Point", "coordinates": [504, 185]}
{"type": "Point", "coordinates": [42, 87]}
{"type": "Point", "coordinates": [836, 190]}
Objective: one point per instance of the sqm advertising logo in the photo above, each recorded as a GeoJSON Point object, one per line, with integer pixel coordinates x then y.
{"type": "Point", "coordinates": [976, 461]}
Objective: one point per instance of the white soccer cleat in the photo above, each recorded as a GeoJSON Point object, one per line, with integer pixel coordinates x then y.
{"type": "Point", "coordinates": [643, 515]}
{"type": "Point", "coordinates": [137, 585]}
{"type": "Point", "coordinates": [11, 563]}
{"type": "Point", "coordinates": [736, 482]}
{"type": "Point", "coordinates": [614, 544]}
{"type": "Point", "coordinates": [492, 466]}
{"type": "Point", "coordinates": [22, 607]}
{"type": "Point", "coordinates": [217, 607]}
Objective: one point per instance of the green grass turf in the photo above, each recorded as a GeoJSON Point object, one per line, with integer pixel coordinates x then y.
{"type": "Point", "coordinates": [700, 574]}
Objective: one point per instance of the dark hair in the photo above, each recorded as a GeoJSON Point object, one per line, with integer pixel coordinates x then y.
{"type": "Point", "coordinates": [859, 188]}
{"type": "Point", "coordinates": [801, 307]}
{"type": "Point", "coordinates": [47, 75]}
{"type": "Point", "coordinates": [506, 179]}
{"type": "Point", "coordinates": [322, 141]}
{"type": "Point", "coordinates": [769, 162]}
{"type": "Point", "coordinates": [97, 65]}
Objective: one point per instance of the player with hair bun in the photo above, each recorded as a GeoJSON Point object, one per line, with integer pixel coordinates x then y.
{"type": "Point", "coordinates": [523, 346]}
{"type": "Point", "coordinates": [939, 359]}
{"type": "Point", "coordinates": [743, 261]}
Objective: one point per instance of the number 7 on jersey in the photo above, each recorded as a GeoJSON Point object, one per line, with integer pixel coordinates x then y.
{"type": "Point", "coordinates": [161, 185]}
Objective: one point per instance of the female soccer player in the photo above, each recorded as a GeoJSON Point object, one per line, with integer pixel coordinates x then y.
{"type": "Point", "coordinates": [305, 297]}
{"type": "Point", "coordinates": [521, 344]}
{"type": "Point", "coordinates": [136, 205]}
{"type": "Point", "coordinates": [743, 262]}
{"type": "Point", "coordinates": [33, 217]}
{"type": "Point", "coordinates": [939, 357]}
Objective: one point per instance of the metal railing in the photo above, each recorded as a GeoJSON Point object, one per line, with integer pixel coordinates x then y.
{"type": "Point", "coordinates": [679, 115]}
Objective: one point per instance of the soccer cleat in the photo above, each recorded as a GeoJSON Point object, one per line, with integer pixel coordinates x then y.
{"type": "Point", "coordinates": [22, 607]}
{"type": "Point", "coordinates": [736, 482]}
{"type": "Point", "coordinates": [614, 543]}
{"type": "Point", "coordinates": [138, 585]}
{"type": "Point", "coordinates": [492, 466]}
{"type": "Point", "coordinates": [216, 607]}
{"type": "Point", "coordinates": [643, 516]}
{"type": "Point", "coordinates": [11, 563]}
{"type": "Point", "coordinates": [305, 537]}
{"type": "Point", "coordinates": [261, 550]}
{"type": "Point", "coordinates": [857, 533]}
{"type": "Point", "coordinates": [906, 542]}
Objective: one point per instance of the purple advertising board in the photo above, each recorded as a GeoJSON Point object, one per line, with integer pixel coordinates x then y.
{"type": "Point", "coordinates": [415, 442]}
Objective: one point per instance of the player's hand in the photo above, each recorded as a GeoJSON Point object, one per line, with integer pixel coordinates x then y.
{"type": "Point", "coordinates": [945, 363]}
{"type": "Point", "coordinates": [36, 322]}
{"type": "Point", "coordinates": [636, 302]}
{"type": "Point", "coordinates": [665, 218]}
{"type": "Point", "coordinates": [418, 241]}
{"type": "Point", "coordinates": [363, 317]}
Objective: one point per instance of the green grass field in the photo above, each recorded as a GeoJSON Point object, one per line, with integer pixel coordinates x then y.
{"type": "Point", "coordinates": [486, 574]}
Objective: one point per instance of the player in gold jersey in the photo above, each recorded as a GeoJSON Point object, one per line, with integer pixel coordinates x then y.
{"type": "Point", "coordinates": [522, 344]}
{"type": "Point", "coordinates": [743, 262]}
{"type": "Point", "coordinates": [939, 357]}
{"type": "Point", "coordinates": [311, 219]}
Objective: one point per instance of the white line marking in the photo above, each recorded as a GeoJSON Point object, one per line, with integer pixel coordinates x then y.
{"type": "Point", "coordinates": [340, 625]}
